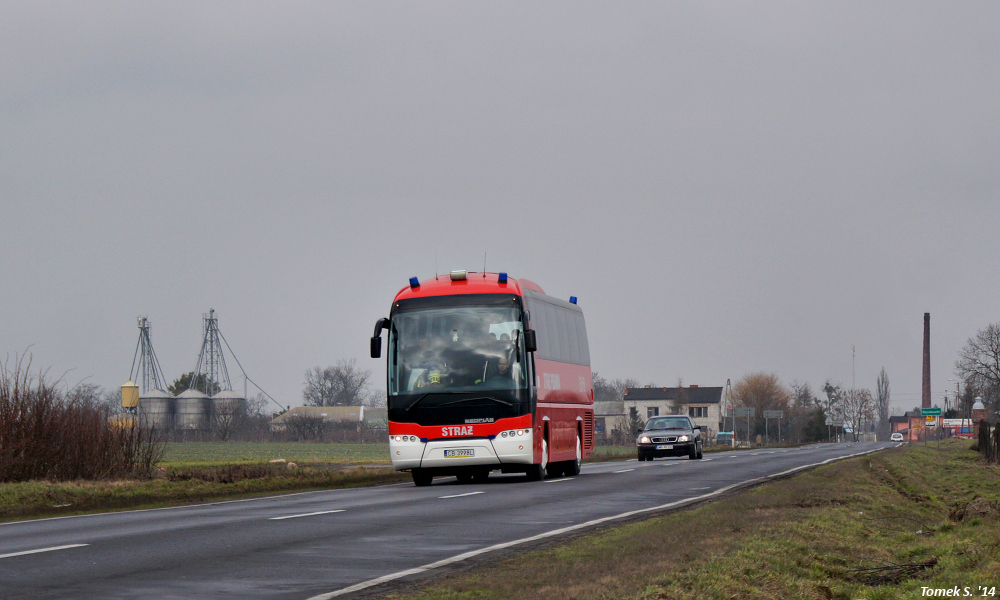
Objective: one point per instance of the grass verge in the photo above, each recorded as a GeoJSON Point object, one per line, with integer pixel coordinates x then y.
{"type": "Point", "coordinates": [179, 485]}
{"type": "Point", "coordinates": [877, 527]}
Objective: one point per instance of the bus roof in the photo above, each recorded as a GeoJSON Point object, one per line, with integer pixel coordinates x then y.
{"type": "Point", "coordinates": [472, 283]}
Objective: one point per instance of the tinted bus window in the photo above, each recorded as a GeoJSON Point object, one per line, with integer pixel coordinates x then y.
{"type": "Point", "coordinates": [560, 331]}
{"type": "Point", "coordinates": [581, 330]}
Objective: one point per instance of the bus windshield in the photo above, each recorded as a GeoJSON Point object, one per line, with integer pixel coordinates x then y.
{"type": "Point", "coordinates": [465, 348]}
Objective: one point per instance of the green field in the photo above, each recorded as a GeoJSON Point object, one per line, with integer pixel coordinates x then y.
{"type": "Point", "coordinates": [235, 453]}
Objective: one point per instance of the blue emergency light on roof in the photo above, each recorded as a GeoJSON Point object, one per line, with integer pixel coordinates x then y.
{"type": "Point", "coordinates": [502, 278]}
{"type": "Point", "coordinates": [572, 299]}
{"type": "Point", "coordinates": [414, 282]}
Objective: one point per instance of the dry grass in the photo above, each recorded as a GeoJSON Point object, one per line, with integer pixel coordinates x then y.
{"type": "Point", "coordinates": [177, 486]}
{"type": "Point", "coordinates": [876, 527]}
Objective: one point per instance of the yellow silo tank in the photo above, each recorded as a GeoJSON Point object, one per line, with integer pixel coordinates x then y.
{"type": "Point", "coordinates": [130, 394]}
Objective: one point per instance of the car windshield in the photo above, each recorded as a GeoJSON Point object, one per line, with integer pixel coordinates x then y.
{"type": "Point", "coordinates": [668, 423]}
{"type": "Point", "coordinates": [456, 349]}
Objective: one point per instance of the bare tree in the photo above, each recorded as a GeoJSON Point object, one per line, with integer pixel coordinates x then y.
{"type": "Point", "coordinates": [761, 391]}
{"type": "Point", "coordinates": [228, 417]}
{"type": "Point", "coordinates": [94, 396]}
{"type": "Point", "coordinates": [624, 431]}
{"type": "Point", "coordinates": [802, 396]}
{"type": "Point", "coordinates": [859, 408]}
{"type": "Point", "coordinates": [342, 384]}
{"type": "Point", "coordinates": [306, 427]}
{"type": "Point", "coordinates": [882, 401]}
{"type": "Point", "coordinates": [831, 404]}
{"type": "Point", "coordinates": [978, 365]}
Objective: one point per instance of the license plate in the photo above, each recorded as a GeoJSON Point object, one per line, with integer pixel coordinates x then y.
{"type": "Point", "coordinates": [665, 447]}
{"type": "Point", "coordinates": [458, 453]}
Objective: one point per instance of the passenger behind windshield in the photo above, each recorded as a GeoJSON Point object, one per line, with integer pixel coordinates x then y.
{"type": "Point", "coordinates": [457, 350]}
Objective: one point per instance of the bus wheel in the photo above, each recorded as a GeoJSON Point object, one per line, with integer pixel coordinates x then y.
{"type": "Point", "coordinates": [421, 478]}
{"type": "Point", "coordinates": [537, 472]}
{"type": "Point", "coordinates": [464, 477]}
{"type": "Point", "coordinates": [572, 468]}
{"type": "Point", "coordinates": [480, 475]}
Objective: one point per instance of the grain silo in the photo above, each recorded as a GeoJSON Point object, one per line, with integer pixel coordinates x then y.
{"type": "Point", "coordinates": [228, 404]}
{"type": "Point", "coordinates": [192, 410]}
{"type": "Point", "coordinates": [156, 409]}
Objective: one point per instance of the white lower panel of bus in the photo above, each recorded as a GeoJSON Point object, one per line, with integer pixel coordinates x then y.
{"type": "Point", "coordinates": [461, 452]}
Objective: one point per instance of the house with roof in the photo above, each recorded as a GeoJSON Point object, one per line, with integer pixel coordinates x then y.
{"type": "Point", "coordinates": [702, 404]}
{"type": "Point", "coordinates": [608, 415]}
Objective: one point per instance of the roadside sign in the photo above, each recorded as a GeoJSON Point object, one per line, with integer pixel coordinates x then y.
{"type": "Point", "coordinates": [741, 411]}
{"type": "Point", "coordinates": [774, 414]}
{"type": "Point", "coordinates": [931, 412]}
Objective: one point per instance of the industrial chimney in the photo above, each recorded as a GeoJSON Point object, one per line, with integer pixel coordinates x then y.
{"type": "Point", "coordinates": [925, 401]}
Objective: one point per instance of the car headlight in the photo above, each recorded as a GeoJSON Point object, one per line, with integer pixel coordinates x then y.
{"type": "Point", "coordinates": [644, 439]}
{"type": "Point", "coordinates": [683, 438]}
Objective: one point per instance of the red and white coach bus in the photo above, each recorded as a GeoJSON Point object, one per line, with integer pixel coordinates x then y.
{"type": "Point", "coordinates": [486, 372]}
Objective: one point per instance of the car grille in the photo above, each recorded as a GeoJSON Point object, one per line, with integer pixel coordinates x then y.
{"type": "Point", "coordinates": [664, 440]}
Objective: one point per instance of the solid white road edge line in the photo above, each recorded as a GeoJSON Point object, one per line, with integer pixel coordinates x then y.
{"type": "Point", "coordinates": [67, 547]}
{"type": "Point", "coordinates": [460, 495]}
{"type": "Point", "coordinates": [556, 532]}
{"type": "Point", "coordinates": [312, 514]}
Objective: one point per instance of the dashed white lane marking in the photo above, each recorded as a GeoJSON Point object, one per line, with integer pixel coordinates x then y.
{"type": "Point", "coordinates": [312, 514]}
{"type": "Point", "coordinates": [460, 495]}
{"type": "Point", "coordinates": [52, 549]}
{"type": "Point", "coordinates": [698, 489]}
{"type": "Point", "coordinates": [559, 480]}
{"type": "Point", "coordinates": [558, 532]}
{"type": "Point", "coordinates": [624, 470]}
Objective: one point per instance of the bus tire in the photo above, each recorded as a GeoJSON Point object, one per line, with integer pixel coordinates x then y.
{"type": "Point", "coordinates": [572, 468]}
{"type": "Point", "coordinates": [537, 472]}
{"type": "Point", "coordinates": [422, 478]}
{"type": "Point", "coordinates": [480, 475]}
{"type": "Point", "coordinates": [464, 477]}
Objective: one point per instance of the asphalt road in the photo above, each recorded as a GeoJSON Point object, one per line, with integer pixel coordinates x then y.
{"type": "Point", "coordinates": [327, 544]}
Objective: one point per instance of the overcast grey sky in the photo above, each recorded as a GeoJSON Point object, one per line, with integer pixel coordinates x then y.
{"type": "Point", "coordinates": [728, 187]}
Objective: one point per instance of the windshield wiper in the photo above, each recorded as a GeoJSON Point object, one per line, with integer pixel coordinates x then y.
{"type": "Point", "coordinates": [415, 402]}
{"type": "Point", "coordinates": [460, 400]}
{"type": "Point", "coordinates": [497, 400]}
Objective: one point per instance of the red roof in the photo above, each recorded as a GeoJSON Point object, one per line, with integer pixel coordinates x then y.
{"type": "Point", "coordinates": [475, 283]}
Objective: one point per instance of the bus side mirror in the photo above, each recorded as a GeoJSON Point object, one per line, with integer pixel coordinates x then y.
{"type": "Point", "coordinates": [530, 343]}
{"type": "Point", "coordinates": [377, 337]}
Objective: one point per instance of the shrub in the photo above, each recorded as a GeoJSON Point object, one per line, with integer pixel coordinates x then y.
{"type": "Point", "coordinates": [46, 434]}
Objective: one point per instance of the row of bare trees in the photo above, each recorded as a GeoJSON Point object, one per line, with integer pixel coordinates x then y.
{"type": "Point", "coordinates": [806, 414]}
{"type": "Point", "coordinates": [341, 384]}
